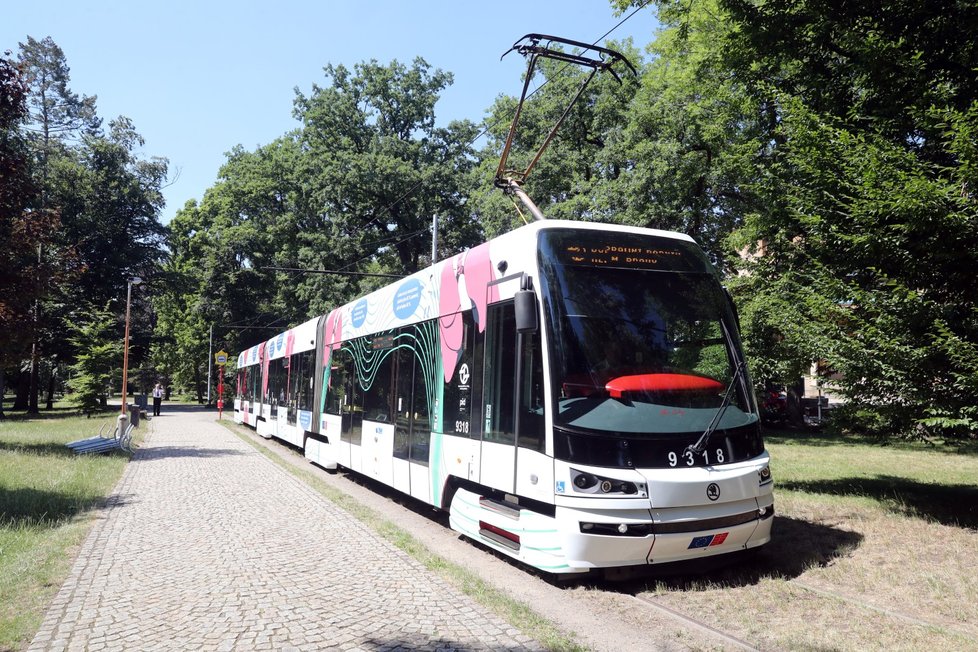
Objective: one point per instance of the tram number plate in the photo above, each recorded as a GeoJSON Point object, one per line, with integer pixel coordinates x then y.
{"type": "Point", "coordinates": [688, 458]}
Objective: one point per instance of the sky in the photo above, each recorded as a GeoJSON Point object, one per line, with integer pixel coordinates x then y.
{"type": "Point", "coordinates": [198, 77]}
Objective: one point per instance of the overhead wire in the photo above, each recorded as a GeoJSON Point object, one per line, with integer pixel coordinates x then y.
{"type": "Point", "coordinates": [487, 127]}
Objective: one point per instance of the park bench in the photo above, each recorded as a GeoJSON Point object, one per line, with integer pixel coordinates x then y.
{"type": "Point", "coordinates": [103, 444]}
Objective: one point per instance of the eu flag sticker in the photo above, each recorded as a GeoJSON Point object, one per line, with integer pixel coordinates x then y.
{"type": "Point", "coordinates": [700, 542]}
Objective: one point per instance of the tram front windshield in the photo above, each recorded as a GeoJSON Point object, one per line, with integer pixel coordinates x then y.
{"type": "Point", "coordinates": [643, 343]}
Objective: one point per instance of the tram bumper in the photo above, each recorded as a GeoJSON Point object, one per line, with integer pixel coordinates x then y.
{"type": "Point", "coordinates": [688, 514]}
{"type": "Point", "coordinates": [620, 538]}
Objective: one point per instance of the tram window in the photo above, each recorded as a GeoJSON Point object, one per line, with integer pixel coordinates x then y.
{"type": "Point", "coordinates": [500, 370]}
{"type": "Point", "coordinates": [300, 388]}
{"type": "Point", "coordinates": [457, 393]}
{"type": "Point", "coordinates": [347, 394]}
{"type": "Point", "coordinates": [277, 392]}
{"type": "Point", "coordinates": [531, 433]}
{"type": "Point", "coordinates": [403, 362]}
{"type": "Point", "coordinates": [421, 410]}
{"type": "Point", "coordinates": [336, 391]}
{"type": "Point", "coordinates": [378, 396]}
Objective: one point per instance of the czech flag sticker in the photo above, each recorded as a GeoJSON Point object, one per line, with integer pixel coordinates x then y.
{"type": "Point", "coordinates": [708, 541]}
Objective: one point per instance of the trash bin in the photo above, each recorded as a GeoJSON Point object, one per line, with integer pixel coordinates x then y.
{"type": "Point", "coordinates": [134, 415]}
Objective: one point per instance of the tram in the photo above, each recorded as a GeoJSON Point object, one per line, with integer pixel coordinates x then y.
{"type": "Point", "coordinates": [573, 394]}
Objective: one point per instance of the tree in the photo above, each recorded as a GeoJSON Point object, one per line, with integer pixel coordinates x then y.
{"type": "Point", "coordinates": [353, 188]}
{"type": "Point", "coordinates": [865, 212]}
{"type": "Point", "coordinates": [378, 168]}
{"type": "Point", "coordinates": [98, 353]}
{"type": "Point", "coordinates": [96, 202]}
{"type": "Point", "coordinates": [54, 115]}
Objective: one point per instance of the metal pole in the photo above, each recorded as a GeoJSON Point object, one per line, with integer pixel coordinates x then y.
{"type": "Point", "coordinates": [210, 350]}
{"type": "Point", "coordinates": [125, 352]}
{"type": "Point", "coordinates": [434, 238]}
{"type": "Point", "coordinates": [123, 420]}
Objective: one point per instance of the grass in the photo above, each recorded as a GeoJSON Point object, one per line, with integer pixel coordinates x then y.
{"type": "Point", "coordinates": [46, 497]}
{"type": "Point", "coordinates": [874, 548]}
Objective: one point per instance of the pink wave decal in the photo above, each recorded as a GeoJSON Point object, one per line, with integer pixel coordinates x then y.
{"type": "Point", "coordinates": [450, 325]}
{"type": "Point", "coordinates": [289, 342]}
{"type": "Point", "coordinates": [479, 273]}
{"type": "Point", "coordinates": [332, 336]}
{"type": "Point", "coordinates": [475, 266]}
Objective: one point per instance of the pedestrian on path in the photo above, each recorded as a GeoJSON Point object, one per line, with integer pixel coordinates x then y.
{"type": "Point", "coordinates": [157, 399]}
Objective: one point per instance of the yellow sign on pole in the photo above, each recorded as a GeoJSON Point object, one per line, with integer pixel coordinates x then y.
{"type": "Point", "coordinates": [221, 358]}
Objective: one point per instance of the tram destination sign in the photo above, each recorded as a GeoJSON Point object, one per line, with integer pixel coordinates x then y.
{"type": "Point", "coordinates": [623, 251]}
{"type": "Point", "coordinates": [621, 256]}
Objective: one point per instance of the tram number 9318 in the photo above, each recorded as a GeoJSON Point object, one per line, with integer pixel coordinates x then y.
{"type": "Point", "coordinates": [688, 458]}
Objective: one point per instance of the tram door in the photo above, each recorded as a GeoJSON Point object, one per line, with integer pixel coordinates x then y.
{"type": "Point", "coordinates": [498, 457]}
{"type": "Point", "coordinates": [513, 439]}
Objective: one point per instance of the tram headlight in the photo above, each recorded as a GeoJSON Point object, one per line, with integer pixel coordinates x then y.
{"type": "Point", "coordinates": [764, 475]}
{"type": "Point", "coordinates": [589, 483]}
{"type": "Point", "coordinates": [583, 480]}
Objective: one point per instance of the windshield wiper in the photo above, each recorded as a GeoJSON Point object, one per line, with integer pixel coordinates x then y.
{"type": "Point", "coordinates": [704, 439]}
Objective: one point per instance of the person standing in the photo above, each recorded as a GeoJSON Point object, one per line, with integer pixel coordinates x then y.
{"type": "Point", "coordinates": [157, 399]}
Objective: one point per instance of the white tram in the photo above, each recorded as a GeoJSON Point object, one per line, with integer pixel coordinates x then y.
{"type": "Point", "coordinates": [573, 394]}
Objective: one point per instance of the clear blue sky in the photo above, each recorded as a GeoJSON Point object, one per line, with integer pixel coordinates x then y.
{"type": "Point", "coordinates": [198, 77]}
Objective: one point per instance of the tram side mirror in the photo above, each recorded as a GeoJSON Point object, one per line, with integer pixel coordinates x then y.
{"type": "Point", "coordinates": [526, 311]}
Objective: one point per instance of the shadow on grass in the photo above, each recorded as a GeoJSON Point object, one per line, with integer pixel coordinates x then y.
{"type": "Point", "coordinates": [32, 508]}
{"type": "Point", "coordinates": [824, 438]}
{"type": "Point", "coordinates": [948, 504]}
{"type": "Point", "coordinates": [45, 414]}
{"type": "Point", "coordinates": [51, 448]}
{"type": "Point", "coordinates": [796, 546]}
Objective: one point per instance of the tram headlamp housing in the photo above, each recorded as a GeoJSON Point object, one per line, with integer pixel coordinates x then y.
{"type": "Point", "coordinates": [764, 475]}
{"type": "Point", "coordinates": [590, 483]}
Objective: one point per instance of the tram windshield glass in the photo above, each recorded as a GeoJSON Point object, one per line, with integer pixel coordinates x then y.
{"type": "Point", "coordinates": [643, 342]}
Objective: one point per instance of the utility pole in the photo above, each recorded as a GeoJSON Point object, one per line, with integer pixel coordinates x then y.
{"type": "Point", "coordinates": [210, 351]}
{"type": "Point", "coordinates": [434, 238]}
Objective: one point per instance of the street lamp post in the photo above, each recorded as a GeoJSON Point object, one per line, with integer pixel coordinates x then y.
{"type": "Point", "coordinates": [124, 414]}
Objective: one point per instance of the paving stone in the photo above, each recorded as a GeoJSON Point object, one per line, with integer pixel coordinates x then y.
{"type": "Point", "coordinates": [206, 544]}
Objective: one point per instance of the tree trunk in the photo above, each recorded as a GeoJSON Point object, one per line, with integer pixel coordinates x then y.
{"type": "Point", "coordinates": [34, 384]}
{"type": "Point", "coordinates": [3, 391]}
{"type": "Point", "coordinates": [50, 401]}
{"type": "Point", "coordinates": [197, 384]}
{"type": "Point", "coordinates": [21, 390]}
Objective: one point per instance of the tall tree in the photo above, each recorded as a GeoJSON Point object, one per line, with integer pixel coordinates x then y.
{"type": "Point", "coordinates": [865, 213]}
{"type": "Point", "coordinates": [55, 115]}
{"type": "Point", "coordinates": [377, 165]}
{"type": "Point", "coordinates": [100, 199]}
{"type": "Point", "coordinates": [99, 351]}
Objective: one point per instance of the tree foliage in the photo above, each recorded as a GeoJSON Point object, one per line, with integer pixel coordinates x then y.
{"type": "Point", "coordinates": [81, 209]}
{"type": "Point", "coordinates": [354, 187]}
{"type": "Point", "coordinates": [861, 211]}
{"type": "Point", "coordinates": [99, 353]}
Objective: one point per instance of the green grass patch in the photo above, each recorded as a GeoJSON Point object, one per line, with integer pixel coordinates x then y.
{"type": "Point", "coordinates": [917, 479]}
{"type": "Point", "coordinates": [46, 493]}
